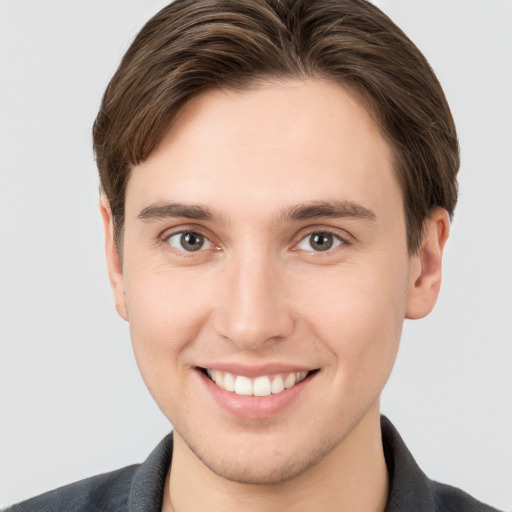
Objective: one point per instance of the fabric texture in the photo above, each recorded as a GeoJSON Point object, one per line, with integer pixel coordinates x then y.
{"type": "Point", "coordinates": [139, 488]}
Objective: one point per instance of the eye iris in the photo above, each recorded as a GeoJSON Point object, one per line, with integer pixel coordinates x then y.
{"type": "Point", "coordinates": [191, 241]}
{"type": "Point", "coordinates": [321, 241]}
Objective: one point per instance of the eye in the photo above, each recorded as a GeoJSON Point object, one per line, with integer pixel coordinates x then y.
{"type": "Point", "coordinates": [189, 241]}
{"type": "Point", "coordinates": [319, 242]}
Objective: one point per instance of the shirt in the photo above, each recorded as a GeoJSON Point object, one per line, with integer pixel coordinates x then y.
{"type": "Point", "coordinates": [139, 488]}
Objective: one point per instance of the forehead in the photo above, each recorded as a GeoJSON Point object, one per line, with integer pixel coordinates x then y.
{"type": "Point", "coordinates": [291, 141]}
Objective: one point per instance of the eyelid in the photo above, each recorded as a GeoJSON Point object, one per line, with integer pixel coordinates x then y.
{"type": "Point", "coordinates": [344, 237]}
{"type": "Point", "coordinates": [164, 236]}
{"type": "Point", "coordinates": [206, 242]}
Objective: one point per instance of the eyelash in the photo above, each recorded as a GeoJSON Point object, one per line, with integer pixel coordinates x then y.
{"type": "Point", "coordinates": [164, 239]}
{"type": "Point", "coordinates": [344, 240]}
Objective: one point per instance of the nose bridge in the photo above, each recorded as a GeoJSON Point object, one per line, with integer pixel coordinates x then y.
{"type": "Point", "coordinates": [254, 308]}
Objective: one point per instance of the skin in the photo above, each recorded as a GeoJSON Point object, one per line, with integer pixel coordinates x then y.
{"type": "Point", "coordinates": [259, 293]}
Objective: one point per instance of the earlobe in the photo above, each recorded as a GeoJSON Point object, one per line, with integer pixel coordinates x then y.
{"type": "Point", "coordinates": [426, 266]}
{"type": "Point", "coordinates": [115, 269]}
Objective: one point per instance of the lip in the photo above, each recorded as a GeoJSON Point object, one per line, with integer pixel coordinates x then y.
{"type": "Point", "coordinates": [253, 371]}
{"type": "Point", "coordinates": [255, 407]}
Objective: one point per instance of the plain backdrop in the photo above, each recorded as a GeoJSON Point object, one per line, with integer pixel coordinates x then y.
{"type": "Point", "coordinates": [71, 401]}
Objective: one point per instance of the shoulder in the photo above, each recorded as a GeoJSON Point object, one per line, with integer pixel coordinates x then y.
{"type": "Point", "coordinates": [411, 489]}
{"type": "Point", "coordinates": [107, 492]}
{"type": "Point", "coordinates": [133, 488]}
{"type": "Point", "coordinates": [451, 499]}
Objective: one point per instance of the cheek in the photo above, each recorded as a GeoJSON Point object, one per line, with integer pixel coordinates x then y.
{"type": "Point", "coordinates": [166, 311]}
{"type": "Point", "coordinates": [358, 314]}
{"type": "Point", "coordinates": [166, 314]}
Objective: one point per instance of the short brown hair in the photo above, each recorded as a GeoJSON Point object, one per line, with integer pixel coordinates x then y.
{"type": "Point", "coordinates": [192, 46]}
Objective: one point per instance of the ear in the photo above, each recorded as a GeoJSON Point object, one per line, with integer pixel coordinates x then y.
{"type": "Point", "coordinates": [426, 266]}
{"type": "Point", "coordinates": [115, 268]}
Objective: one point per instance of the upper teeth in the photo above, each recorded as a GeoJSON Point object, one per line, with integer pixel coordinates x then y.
{"type": "Point", "coordinates": [260, 386]}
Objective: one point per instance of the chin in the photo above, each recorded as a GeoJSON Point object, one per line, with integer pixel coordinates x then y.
{"type": "Point", "coordinates": [261, 465]}
{"type": "Point", "coordinates": [270, 473]}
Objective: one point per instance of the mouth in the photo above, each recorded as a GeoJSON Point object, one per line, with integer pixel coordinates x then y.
{"type": "Point", "coordinates": [262, 385]}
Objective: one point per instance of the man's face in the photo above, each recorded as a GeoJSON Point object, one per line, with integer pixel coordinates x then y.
{"type": "Point", "coordinates": [265, 246]}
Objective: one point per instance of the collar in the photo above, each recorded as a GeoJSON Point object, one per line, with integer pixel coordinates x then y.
{"type": "Point", "coordinates": [409, 488]}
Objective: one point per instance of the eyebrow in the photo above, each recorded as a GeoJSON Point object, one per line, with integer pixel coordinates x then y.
{"type": "Point", "coordinates": [159, 211]}
{"type": "Point", "coordinates": [332, 209]}
{"type": "Point", "coordinates": [304, 211]}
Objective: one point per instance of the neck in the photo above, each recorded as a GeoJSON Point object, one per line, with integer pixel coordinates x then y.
{"type": "Point", "coordinates": [352, 477]}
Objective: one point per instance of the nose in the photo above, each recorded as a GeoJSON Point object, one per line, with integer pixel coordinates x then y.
{"type": "Point", "coordinates": [254, 307]}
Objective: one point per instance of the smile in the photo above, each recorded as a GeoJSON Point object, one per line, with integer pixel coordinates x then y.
{"type": "Point", "coordinates": [263, 385]}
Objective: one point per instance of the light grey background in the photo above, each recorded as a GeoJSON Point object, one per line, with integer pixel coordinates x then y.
{"type": "Point", "coordinates": [72, 402]}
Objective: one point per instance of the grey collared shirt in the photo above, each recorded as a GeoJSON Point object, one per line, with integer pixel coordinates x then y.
{"type": "Point", "coordinates": [139, 488]}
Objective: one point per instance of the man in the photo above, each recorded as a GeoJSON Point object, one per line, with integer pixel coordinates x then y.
{"type": "Point", "coordinates": [277, 181]}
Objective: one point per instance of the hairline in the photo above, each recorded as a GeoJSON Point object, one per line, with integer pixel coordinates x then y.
{"type": "Point", "coordinates": [358, 93]}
